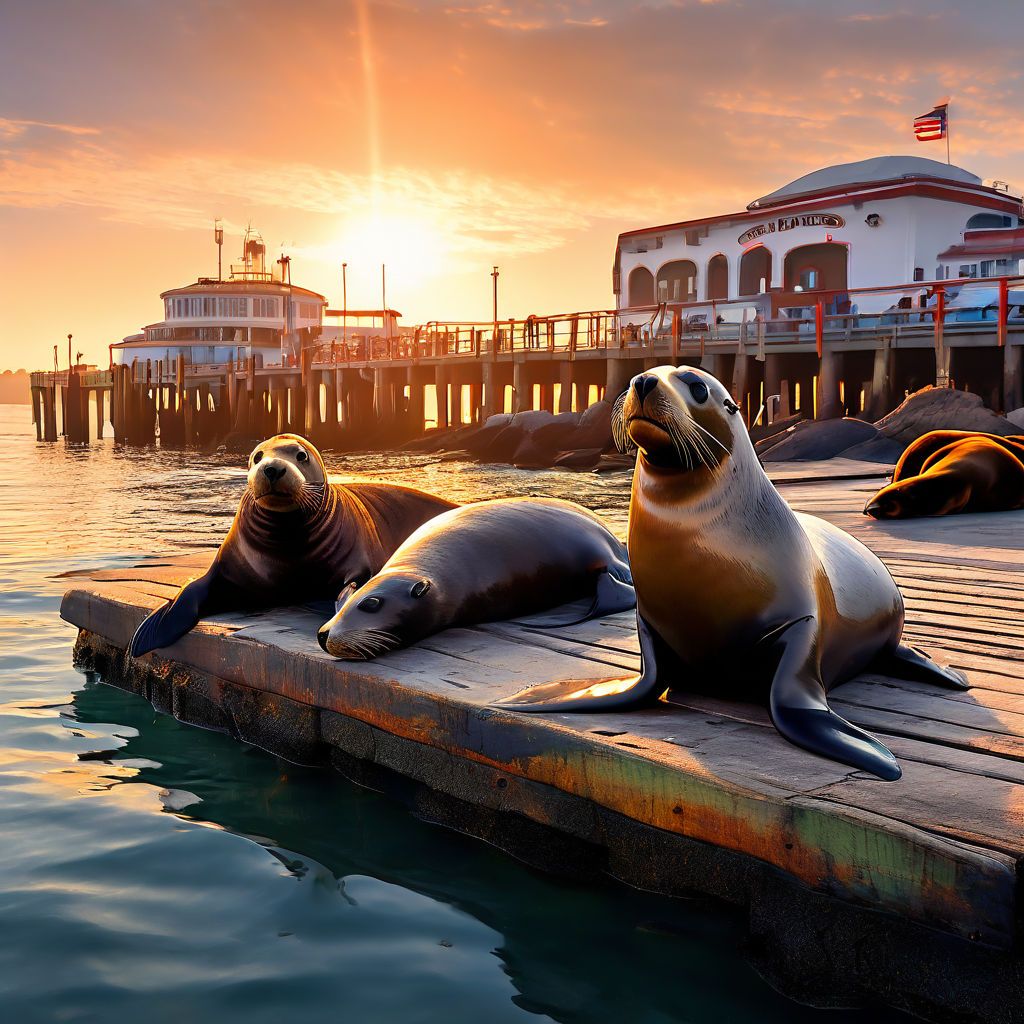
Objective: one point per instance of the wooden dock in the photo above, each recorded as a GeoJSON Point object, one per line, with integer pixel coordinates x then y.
{"type": "Point", "coordinates": [906, 892]}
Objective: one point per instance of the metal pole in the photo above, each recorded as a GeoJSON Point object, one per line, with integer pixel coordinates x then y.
{"type": "Point", "coordinates": [69, 353]}
{"type": "Point", "coordinates": [344, 305]}
{"type": "Point", "coordinates": [947, 133]}
{"type": "Point", "coordinates": [384, 303]}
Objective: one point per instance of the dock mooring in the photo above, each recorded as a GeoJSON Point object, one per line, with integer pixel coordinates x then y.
{"type": "Point", "coordinates": [906, 892]}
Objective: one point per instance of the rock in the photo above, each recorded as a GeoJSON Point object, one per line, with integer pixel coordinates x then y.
{"type": "Point", "coordinates": [941, 409]}
{"type": "Point", "coordinates": [1017, 418]}
{"type": "Point", "coordinates": [615, 463]}
{"type": "Point", "coordinates": [582, 458]}
{"type": "Point", "coordinates": [816, 439]}
{"type": "Point", "coordinates": [530, 455]}
{"type": "Point", "coordinates": [595, 427]}
{"type": "Point", "coordinates": [877, 449]}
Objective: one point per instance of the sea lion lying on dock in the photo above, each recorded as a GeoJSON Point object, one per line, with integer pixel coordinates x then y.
{"type": "Point", "coordinates": [948, 471]}
{"type": "Point", "coordinates": [484, 562]}
{"type": "Point", "coordinates": [295, 538]}
{"type": "Point", "coordinates": [737, 594]}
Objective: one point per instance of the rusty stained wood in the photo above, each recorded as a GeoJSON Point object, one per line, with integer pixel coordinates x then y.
{"type": "Point", "coordinates": [726, 779]}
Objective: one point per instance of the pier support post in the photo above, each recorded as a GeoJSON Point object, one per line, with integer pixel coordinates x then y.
{"type": "Point", "coordinates": [73, 426]}
{"type": "Point", "coordinates": [741, 384]}
{"type": "Point", "coordinates": [1013, 382]}
{"type": "Point", "coordinates": [50, 413]}
{"type": "Point", "coordinates": [491, 403]}
{"type": "Point", "coordinates": [414, 377]}
{"type": "Point", "coordinates": [384, 397]}
{"type": "Point", "coordinates": [522, 386]}
{"type": "Point", "coordinates": [37, 411]}
{"type": "Point", "coordinates": [618, 374]}
{"type": "Point", "coordinates": [100, 417]}
{"type": "Point", "coordinates": [881, 380]}
{"type": "Point", "coordinates": [565, 376]}
{"type": "Point", "coordinates": [442, 378]}
{"type": "Point", "coordinates": [828, 405]}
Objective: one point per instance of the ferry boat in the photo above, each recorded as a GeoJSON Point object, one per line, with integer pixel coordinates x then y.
{"type": "Point", "coordinates": [255, 312]}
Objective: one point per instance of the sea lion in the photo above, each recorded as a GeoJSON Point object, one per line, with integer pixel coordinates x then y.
{"type": "Point", "coordinates": [483, 562]}
{"type": "Point", "coordinates": [737, 593]}
{"type": "Point", "coordinates": [948, 471]}
{"type": "Point", "coordinates": [295, 538]}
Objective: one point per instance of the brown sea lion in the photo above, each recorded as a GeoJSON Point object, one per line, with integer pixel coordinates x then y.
{"type": "Point", "coordinates": [484, 562]}
{"type": "Point", "coordinates": [295, 538]}
{"type": "Point", "coordinates": [948, 471]}
{"type": "Point", "coordinates": [737, 594]}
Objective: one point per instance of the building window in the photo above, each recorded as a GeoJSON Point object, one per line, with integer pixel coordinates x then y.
{"type": "Point", "coordinates": [989, 220]}
{"type": "Point", "coordinates": [939, 276]}
{"type": "Point", "coordinates": [809, 278]}
{"type": "Point", "coordinates": [918, 273]}
{"type": "Point", "coordinates": [988, 268]}
{"type": "Point", "coordinates": [306, 310]}
{"type": "Point", "coordinates": [265, 308]}
{"type": "Point", "coordinates": [968, 270]}
{"type": "Point", "coordinates": [677, 282]}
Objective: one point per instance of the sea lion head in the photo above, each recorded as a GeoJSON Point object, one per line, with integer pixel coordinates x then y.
{"type": "Point", "coordinates": [391, 610]}
{"type": "Point", "coordinates": [680, 419]}
{"type": "Point", "coordinates": [286, 473]}
{"type": "Point", "coordinates": [930, 494]}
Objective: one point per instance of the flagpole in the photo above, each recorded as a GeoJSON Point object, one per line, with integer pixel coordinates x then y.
{"type": "Point", "coordinates": [948, 161]}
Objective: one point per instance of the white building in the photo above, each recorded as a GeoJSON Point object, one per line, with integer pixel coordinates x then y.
{"type": "Point", "coordinates": [875, 222]}
{"type": "Point", "coordinates": [251, 313]}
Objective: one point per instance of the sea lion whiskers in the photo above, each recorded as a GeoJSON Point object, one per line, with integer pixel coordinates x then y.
{"type": "Point", "coordinates": [363, 644]}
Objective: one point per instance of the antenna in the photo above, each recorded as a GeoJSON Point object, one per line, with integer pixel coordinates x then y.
{"type": "Point", "coordinates": [218, 237]}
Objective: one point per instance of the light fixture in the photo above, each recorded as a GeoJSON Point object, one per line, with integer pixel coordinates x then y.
{"type": "Point", "coordinates": [872, 220]}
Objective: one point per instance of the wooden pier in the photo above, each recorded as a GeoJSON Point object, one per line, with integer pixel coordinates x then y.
{"type": "Point", "coordinates": [385, 390]}
{"type": "Point", "coordinates": [906, 892]}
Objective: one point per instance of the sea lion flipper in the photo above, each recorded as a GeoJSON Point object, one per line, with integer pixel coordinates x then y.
{"type": "Point", "coordinates": [800, 710]}
{"type": "Point", "coordinates": [907, 663]}
{"type": "Point", "coordinates": [174, 619]}
{"type": "Point", "coordinates": [603, 695]}
{"type": "Point", "coordinates": [611, 596]}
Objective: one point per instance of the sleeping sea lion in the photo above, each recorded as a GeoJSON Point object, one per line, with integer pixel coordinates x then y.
{"type": "Point", "coordinates": [737, 593]}
{"type": "Point", "coordinates": [483, 562]}
{"type": "Point", "coordinates": [948, 471]}
{"type": "Point", "coordinates": [295, 538]}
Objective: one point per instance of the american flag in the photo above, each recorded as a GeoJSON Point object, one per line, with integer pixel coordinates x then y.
{"type": "Point", "coordinates": [931, 127]}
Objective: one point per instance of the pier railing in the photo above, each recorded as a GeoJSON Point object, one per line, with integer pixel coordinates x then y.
{"type": "Point", "coordinates": [767, 320]}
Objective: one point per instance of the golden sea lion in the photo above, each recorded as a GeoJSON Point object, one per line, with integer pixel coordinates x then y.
{"type": "Point", "coordinates": [484, 562]}
{"type": "Point", "coordinates": [737, 594]}
{"type": "Point", "coordinates": [295, 538]}
{"type": "Point", "coordinates": [948, 471]}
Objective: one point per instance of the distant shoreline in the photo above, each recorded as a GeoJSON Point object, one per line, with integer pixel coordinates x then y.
{"type": "Point", "coordinates": [15, 388]}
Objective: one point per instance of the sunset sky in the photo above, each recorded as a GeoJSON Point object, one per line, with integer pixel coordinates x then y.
{"type": "Point", "coordinates": [442, 138]}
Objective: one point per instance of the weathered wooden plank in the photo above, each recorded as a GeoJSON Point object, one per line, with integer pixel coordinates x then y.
{"type": "Point", "coordinates": [691, 774]}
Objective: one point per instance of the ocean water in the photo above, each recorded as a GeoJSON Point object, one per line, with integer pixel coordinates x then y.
{"type": "Point", "coordinates": [153, 871]}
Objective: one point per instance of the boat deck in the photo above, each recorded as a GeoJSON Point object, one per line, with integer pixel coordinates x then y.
{"type": "Point", "coordinates": [699, 794]}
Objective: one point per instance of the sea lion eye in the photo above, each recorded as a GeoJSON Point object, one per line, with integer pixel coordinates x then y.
{"type": "Point", "coordinates": [699, 390]}
{"type": "Point", "coordinates": [419, 588]}
{"type": "Point", "coordinates": [370, 604]}
{"type": "Point", "coordinates": [256, 458]}
{"type": "Point", "coordinates": [302, 456]}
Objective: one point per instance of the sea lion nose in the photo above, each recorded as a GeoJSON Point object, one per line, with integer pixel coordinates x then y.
{"type": "Point", "coordinates": [272, 472]}
{"type": "Point", "coordinates": [321, 637]}
{"type": "Point", "coordinates": [644, 384]}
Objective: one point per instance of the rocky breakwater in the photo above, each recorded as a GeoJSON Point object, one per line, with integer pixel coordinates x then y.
{"type": "Point", "coordinates": [886, 439]}
{"type": "Point", "coordinates": [533, 440]}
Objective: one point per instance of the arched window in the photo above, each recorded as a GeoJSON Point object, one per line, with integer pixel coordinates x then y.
{"type": "Point", "coordinates": [718, 277]}
{"type": "Point", "coordinates": [641, 287]}
{"type": "Point", "coordinates": [818, 267]}
{"type": "Point", "coordinates": [989, 220]}
{"type": "Point", "coordinates": [755, 271]}
{"type": "Point", "coordinates": [677, 282]}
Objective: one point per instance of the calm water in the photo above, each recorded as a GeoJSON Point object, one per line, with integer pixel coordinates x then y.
{"type": "Point", "coordinates": [153, 871]}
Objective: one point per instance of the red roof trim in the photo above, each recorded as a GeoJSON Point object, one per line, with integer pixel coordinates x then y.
{"type": "Point", "coordinates": [989, 199]}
